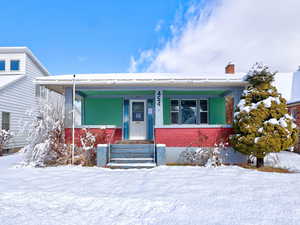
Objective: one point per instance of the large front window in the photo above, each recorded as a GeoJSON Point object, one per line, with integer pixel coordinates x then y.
{"type": "Point", "coordinates": [189, 111]}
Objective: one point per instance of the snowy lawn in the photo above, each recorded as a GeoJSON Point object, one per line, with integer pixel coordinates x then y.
{"type": "Point", "coordinates": [164, 195]}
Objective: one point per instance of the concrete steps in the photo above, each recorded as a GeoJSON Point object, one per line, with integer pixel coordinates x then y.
{"type": "Point", "coordinates": [132, 156]}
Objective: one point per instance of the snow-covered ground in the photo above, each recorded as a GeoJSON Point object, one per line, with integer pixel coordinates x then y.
{"type": "Point", "coordinates": [164, 195]}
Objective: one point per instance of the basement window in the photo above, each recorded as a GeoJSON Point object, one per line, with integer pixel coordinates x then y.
{"type": "Point", "coordinates": [189, 111]}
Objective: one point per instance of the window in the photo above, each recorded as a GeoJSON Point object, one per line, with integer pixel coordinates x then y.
{"type": "Point", "coordinates": [203, 110]}
{"type": "Point", "coordinates": [174, 111]}
{"type": "Point", "coordinates": [138, 111]}
{"type": "Point", "coordinates": [40, 91]}
{"type": "Point", "coordinates": [2, 65]}
{"type": "Point", "coordinates": [189, 111]}
{"type": "Point", "coordinates": [5, 120]}
{"type": "Point", "coordinates": [15, 65]}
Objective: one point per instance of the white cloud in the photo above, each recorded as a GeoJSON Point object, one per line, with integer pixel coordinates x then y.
{"type": "Point", "coordinates": [159, 25]}
{"type": "Point", "coordinates": [243, 31]}
{"type": "Point", "coordinates": [144, 58]}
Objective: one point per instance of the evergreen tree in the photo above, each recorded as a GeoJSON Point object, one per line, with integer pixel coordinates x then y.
{"type": "Point", "coordinates": [261, 121]}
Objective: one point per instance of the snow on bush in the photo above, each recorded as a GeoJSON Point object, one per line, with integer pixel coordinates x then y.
{"type": "Point", "coordinates": [203, 156]}
{"type": "Point", "coordinates": [5, 136]}
{"type": "Point", "coordinates": [86, 155]}
{"type": "Point", "coordinates": [46, 134]}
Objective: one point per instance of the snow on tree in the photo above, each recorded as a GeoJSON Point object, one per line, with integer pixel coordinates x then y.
{"type": "Point", "coordinates": [261, 121]}
{"type": "Point", "coordinates": [5, 136]}
{"type": "Point", "coordinates": [46, 133]}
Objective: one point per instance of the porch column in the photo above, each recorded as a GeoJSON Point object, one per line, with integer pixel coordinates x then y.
{"type": "Point", "coordinates": [68, 107]}
{"type": "Point", "coordinates": [158, 108]}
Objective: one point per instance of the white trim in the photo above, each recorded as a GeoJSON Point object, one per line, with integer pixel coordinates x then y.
{"type": "Point", "coordinates": [195, 126]}
{"type": "Point", "coordinates": [141, 124]}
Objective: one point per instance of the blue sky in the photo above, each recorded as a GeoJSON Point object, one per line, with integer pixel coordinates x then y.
{"type": "Point", "coordinates": [87, 36]}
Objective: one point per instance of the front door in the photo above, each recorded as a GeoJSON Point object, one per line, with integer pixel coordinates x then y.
{"type": "Point", "coordinates": [138, 124]}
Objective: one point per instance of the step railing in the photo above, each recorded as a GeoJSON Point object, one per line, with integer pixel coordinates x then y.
{"type": "Point", "coordinates": [109, 144]}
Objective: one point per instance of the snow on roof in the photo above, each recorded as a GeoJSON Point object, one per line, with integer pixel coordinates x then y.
{"type": "Point", "coordinates": [143, 79]}
{"type": "Point", "coordinates": [283, 82]}
{"type": "Point", "coordinates": [294, 101]}
{"type": "Point", "coordinates": [9, 79]}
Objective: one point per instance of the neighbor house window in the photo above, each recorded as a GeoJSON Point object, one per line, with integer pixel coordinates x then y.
{"type": "Point", "coordinates": [2, 65]}
{"type": "Point", "coordinates": [189, 111]}
{"type": "Point", "coordinates": [15, 65]}
{"type": "Point", "coordinates": [5, 120]}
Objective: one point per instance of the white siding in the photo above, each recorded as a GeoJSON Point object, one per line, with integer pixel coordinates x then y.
{"type": "Point", "coordinates": [17, 99]}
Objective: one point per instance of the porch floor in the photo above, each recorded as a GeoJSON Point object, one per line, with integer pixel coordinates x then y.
{"type": "Point", "coordinates": [128, 142]}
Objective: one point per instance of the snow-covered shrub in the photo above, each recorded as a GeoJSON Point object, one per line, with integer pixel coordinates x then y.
{"type": "Point", "coordinates": [86, 156]}
{"type": "Point", "coordinates": [262, 123]}
{"type": "Point", "coordinates": [203, 156]}
{"type": "Point", "coordinates": [5, 136]}
{"type": "Point", "coordinates": [46, 133]}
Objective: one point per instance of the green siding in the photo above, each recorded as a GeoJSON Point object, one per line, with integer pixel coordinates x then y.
{"type": "Point", "coordinates": [217, 112]}
{"type": "Point", "coordinates": [122, 93]}
{"type": "Point", "coordinates": [209, 92]}
{"type": "Point", "coordinates": [166, 110]}
{"type": "Point", "coordinates": [103, 111]}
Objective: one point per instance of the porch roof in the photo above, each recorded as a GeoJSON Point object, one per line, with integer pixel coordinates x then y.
{"type": "Point", "coordinates": [58, 82]}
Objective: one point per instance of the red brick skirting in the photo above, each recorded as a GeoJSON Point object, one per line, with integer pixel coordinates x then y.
{"type": "Point", "coordinates": [183, 137]}
{"type": "Point", "coordinates": [103, 136]}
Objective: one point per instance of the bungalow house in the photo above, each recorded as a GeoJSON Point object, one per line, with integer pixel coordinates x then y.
{"type": "Point", "coordinates": [136, 116]}
{"type": "Point", "coordinates": [18, 94]}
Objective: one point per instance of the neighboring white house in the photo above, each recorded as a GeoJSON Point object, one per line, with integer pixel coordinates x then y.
{"type": "Point", "coordinates": [18, 93]}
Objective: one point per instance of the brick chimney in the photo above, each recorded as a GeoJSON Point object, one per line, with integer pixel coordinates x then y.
{"type": "Point", "coordinates": [229, 69]}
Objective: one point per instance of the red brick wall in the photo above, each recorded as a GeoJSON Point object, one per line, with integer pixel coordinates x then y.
{"type": "Point", "coordinates": [183, 137]}
{"type": "Point", "coordinates": [103, 136]}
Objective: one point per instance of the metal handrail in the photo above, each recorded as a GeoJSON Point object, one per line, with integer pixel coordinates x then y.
{"type": "Point", "coordinates": [109, 144]}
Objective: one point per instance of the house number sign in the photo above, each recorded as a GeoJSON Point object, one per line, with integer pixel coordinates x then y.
{"type": "Point", "coordinates": [158, 98]}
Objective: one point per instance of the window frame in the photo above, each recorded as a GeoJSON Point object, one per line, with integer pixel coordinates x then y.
{"type": "Point", "coordinates": [15, 60]}
{"type": "Point", "coordinates": [5, 126]}
{"type": "Point", "coordinates": [3, 60]}
{"type": "Point", "coordinates": [173, 111]}
{"type": "Point", "coordinates": [198, 110]}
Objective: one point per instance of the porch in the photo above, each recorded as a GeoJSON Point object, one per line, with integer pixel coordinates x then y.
{"type": "Point", "coordinates": [150, 114]}
{"type": "Point", "coordinates": [175, 118]}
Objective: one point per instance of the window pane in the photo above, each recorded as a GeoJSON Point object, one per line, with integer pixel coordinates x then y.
{"type": "Point", "coordinates": [138, 106]}
{"type": "Point", "coordinates": [203, 105]}
{"type": "Point", "coordinates": [2, 65]}
{"type": "Point", "coordinates": [138, 111]}
{"type": "Point", "coordinates": [188, 111]}
{"type": "Point", "coordinates": [203, 117]}
{"type": "Point", "coordinates": [174, 105]}
{"type": "Point", "coordinates": [5, 120]}
{"type": "Point", "coordinates": [14, 65]}
{"type": "Point", "coordinates": [174, 117]}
